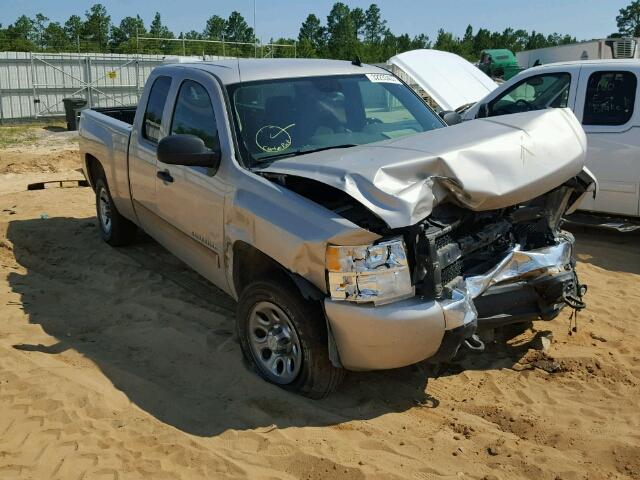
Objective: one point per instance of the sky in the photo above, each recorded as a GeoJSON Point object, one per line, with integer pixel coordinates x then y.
{"type": "Point", "coordinates": [584, 19]}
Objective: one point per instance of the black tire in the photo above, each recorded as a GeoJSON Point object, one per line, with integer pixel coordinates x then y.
{"type": "Point", "coordinates": [116, 230]}
{"type": "Point", "coordinates": [317, 377]}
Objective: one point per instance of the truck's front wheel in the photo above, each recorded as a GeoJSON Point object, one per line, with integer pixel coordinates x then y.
{"type": "Point", "coordinates": [114, 228]}
{"type": "Point", "coordinates": [284, 338]}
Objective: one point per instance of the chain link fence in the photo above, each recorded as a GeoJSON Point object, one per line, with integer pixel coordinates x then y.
{"type": "Point", "coordinates": [34, 83]}
{"type": "Point", "coordinates": [147, 45]}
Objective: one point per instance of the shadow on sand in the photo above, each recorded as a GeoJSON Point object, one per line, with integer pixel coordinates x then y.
{"type": "Point", "coordinates": [594, 246]}
{"type": "Point", "coordinates": [165, 337]}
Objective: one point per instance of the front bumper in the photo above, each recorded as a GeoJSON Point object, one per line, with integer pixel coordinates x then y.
{"type": "Point", "coordinates": [371, 337]}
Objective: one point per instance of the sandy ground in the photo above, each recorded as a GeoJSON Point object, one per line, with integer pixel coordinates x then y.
{"type": "Point", "coordinates": [122, 364]}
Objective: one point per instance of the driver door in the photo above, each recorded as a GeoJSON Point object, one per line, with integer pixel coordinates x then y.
{"type": "Point", "coordinates": [190, 200]}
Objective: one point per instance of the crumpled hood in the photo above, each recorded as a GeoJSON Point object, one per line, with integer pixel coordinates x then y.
{"type": "Point", "coordinates": [483, 164]}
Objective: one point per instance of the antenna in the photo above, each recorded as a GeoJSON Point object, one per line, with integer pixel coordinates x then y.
{"type": "Point", "coordinates": [356, 61]}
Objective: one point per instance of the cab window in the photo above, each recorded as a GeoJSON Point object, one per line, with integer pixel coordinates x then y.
{"type": "Point", "coordinates": [155, 109]}
{"type": "Point", "coordinates": [534, 93]}
{"type": "Point", "coordinates": [193, 114]}
{"type": "Point", "coordinates": [610, 98]}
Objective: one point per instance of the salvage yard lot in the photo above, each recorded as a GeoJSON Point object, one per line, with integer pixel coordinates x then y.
{"type": "Point", "coordinates": [122, 363]}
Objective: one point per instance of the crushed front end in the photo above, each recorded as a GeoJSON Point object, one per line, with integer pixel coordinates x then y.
{"type": "Point", "coordinates": [468, 271]}
{"type": "Point", "coordinates": [494, 268]}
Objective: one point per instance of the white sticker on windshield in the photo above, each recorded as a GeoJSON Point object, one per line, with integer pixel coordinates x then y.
{"type": "Point", "coordinates": [382, 78]}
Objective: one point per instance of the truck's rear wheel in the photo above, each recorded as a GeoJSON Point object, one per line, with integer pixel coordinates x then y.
{"type": "Point", "coordinates": [284, 338]}
{"type": "Point", "coordinates": [114, 228]}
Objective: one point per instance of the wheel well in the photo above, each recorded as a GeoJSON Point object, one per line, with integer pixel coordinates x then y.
{"type": "Point", "coordinates": [250, 264]}
{"type": "Point", "coordinates": [94, 169]}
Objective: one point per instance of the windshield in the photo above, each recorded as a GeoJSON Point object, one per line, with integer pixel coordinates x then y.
{"type": "Point", "coordinates": [280, 118]}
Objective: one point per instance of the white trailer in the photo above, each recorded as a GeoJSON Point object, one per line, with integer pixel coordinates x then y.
{"type": "Point", "coordinates": [609, 48]}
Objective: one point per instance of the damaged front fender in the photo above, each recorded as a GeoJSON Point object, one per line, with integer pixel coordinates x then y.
{"type": "Point", "coordinates": [288, 228]}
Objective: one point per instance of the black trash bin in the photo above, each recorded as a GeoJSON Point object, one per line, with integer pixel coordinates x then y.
{"type": "Point", "coordinates": [71, 107]}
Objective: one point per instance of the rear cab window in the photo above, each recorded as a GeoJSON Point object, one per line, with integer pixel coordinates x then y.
{"type": "Point", "coordinates": [151, 126]}
{"type": "Point", "coordinates": [610, 98]}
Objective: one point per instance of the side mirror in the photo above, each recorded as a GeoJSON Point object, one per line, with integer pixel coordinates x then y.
{"type": "Point", "coordinates": [187, 150]}
{"type": "Point", "coordinates": [483, 111]}
{"type": "Point", "coordinates": [450, 117]}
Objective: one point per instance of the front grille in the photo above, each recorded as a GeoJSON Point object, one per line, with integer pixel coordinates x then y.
{"type": "Point", "coordinates": [447, 252]}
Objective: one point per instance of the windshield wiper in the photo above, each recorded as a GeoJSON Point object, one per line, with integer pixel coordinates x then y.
{"type": "Point", "coordinates": [296, 153]}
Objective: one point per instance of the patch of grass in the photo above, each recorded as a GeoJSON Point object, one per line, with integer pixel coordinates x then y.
{"type": "Point", "coordinates": [18, 135]}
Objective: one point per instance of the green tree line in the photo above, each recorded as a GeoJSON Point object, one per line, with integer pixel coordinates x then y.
{"type": "Point", "coordinates": [345, 33]}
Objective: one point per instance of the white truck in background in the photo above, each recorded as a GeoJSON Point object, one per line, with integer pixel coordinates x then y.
{"type": "Point", "coordinates": [605, 49]}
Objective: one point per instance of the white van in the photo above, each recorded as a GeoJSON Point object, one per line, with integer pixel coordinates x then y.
{"type": "Point", "coordinates": [603, 94]}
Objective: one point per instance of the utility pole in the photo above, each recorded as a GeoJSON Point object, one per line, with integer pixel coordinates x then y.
{"type": "Point", "coordinates": [255, 45]}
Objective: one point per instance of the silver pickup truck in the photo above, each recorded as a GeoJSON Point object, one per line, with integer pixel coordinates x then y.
{"type": "Point", "coordinates": [354, 230]}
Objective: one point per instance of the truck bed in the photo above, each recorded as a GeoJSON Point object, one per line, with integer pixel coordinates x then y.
{"type": "Point", "coordinates": [124, 114]}
{"type": "Point", "coordinates": [104, 134]}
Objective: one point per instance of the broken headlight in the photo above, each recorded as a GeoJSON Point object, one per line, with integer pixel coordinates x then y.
{"type": "Point", "coordinates": [369, 273]}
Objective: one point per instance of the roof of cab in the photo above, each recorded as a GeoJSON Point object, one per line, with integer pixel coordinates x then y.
{"type": "Point", "coordinates": [249, 70]}
{"type": "Point", "coordinates": [635, 63]}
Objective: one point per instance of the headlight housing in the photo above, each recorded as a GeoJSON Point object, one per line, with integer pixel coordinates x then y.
{"type": "Point", "coordinates": [369, 273]}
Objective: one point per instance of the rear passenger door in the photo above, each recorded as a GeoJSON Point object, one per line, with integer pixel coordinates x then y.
{"type": "Point", "coordinates": [608, 107]}
{"type": "Point", "coordinates": [191, 199]}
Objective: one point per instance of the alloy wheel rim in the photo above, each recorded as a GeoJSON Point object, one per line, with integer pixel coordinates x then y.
{"type": "Point", "coordinates": [274, 343]}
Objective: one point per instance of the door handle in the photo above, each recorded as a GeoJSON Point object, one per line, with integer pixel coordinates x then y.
{"type": "Point", "coordinates": [165, 176]}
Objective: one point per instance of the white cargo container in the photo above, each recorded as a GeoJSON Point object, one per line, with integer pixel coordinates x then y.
{"type": "Point", "coordinates": [609, 48]}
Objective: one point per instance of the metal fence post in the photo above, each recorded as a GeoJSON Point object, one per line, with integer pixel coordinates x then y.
{"type": "Point", "coordinates": [33, 86]}
{"type": "Point", "coordinates": [138, 77]}
{"type": "Point", "coordinates": [87, 79]}
{"type": "Point", "coordinates": [1, 111]}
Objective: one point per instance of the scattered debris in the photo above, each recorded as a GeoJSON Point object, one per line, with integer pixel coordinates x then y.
{"type": "Point", "coordinates": [543, 342]}
{"type": "Point", "coordinates": [538, 359]}
{"type": "Point", "coordinates": [549, 366]}
{"type": "Point", "coordinates": [268, 429]}
{"type": "Point", "coordinates": [597, 337]}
